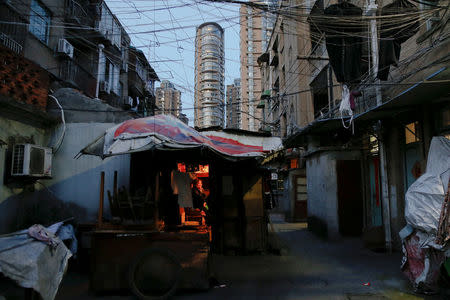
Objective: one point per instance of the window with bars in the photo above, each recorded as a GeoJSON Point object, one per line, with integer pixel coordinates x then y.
{"type": "Point", "coordinates": [39, 21]}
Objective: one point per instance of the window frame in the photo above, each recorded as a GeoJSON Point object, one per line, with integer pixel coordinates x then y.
{"type": "Point", "coordinates": [39, 21]}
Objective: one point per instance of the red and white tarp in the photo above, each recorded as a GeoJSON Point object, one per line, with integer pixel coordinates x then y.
{"type": "Point", "coordinates": [165, 132]}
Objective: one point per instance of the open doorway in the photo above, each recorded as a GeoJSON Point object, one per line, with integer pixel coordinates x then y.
{"type": "Point", "coordinates": [350, 197]}
{"type": "Point", "coordinates": [301, 197]}
{"type": "Point", "coordinates": [191, 185]}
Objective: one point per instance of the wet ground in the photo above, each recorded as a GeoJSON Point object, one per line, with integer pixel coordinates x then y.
{"type": "Point", "coordinates": [309, 268]}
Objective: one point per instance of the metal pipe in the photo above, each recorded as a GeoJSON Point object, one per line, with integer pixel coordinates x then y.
{"type": "Point", "coordinates": [386, 203]}
{"type": "Point", "coordinates": [100, 52]}
{"type": "Point", "coordinates": [330, 88]}
{"type": "Point", "coordinates": [100, 205]}
{"type": "Point", "coordinates": [371, 11]}
{"type": "Point", "coordinates": [115, 185]}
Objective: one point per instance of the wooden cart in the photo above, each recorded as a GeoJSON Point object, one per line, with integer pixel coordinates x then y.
{"type": "Point", "coordinates": [150, 262]}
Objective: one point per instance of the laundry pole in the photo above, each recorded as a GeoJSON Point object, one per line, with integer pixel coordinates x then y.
{"type": "Point", "coordinates": [371, 11]}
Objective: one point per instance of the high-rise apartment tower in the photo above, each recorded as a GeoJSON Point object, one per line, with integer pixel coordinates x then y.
{"type": "Point", "coordinates": [233, 96]}
{"type": "Point", "coordinates": [256, 29]}
{"type": "Point", "coordinates": [209, 76]}
{"type": "Point", "coordinates": [168, 99]}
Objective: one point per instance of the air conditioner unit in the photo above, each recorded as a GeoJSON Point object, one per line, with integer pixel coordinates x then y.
{"type": "Point", "coordinates": [65, 47]}
{"type": "Point", "coordinates": [104, 86]}
{"type": "Point", "coordinates": [31, 160]}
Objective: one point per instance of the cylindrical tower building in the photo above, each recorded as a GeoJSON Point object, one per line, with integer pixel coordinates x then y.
{"type": "Point", "coordinates": [209, 76]}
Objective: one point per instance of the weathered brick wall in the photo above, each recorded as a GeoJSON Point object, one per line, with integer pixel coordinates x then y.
{"type": "Point", "coordinates": [22, 80]}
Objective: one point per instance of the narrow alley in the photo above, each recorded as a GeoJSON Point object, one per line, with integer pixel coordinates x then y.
{"type": "Point", "coordinates": [224, 149]}
{"type": "Point", "coordinates": [308, 267]}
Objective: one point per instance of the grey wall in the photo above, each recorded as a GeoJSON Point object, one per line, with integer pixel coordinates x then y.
{"type": "Point", "coordinates": [75, 184]}
{"type": "Point", "coordinates": [78, 180]}
{"type": "Point", "coordinates": [321, 178]}
{"type": "Point", "coordinates": [74, 188]}
{"type": "Point", "coordinates": [19, 133]}
{"type": "Point", "coordinates": [322, 190]}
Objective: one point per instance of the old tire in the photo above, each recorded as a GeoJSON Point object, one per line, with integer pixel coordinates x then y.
{"type": "Point", "coordinates": [154, 274]}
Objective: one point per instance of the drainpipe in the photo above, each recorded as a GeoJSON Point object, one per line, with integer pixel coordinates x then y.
{"type": "Point", "coordinates": [385, 199]}
{"type": "Point", "coordinates": [330, 88]}
{"type": "Point", "coordinates": [371, 11]}
{"type": "Point", "coordinates": [100, 52]}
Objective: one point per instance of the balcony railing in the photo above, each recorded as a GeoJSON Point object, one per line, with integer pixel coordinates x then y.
{"type": "Point", "coordinates": [364, 103]}
{"type": "Point", "coordinates": [318, 48]}
{"type": "Point", "coordinates": [12, 33]}
{"type": "Point", "coordinates": [76, 12]}
{"type": "Point", "coordinates": [10, 43]}
{"type": "Point", "coordinates": [77, 76]}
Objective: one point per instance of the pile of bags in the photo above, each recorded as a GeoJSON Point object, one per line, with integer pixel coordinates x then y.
{"type": "Point", "coordinates": [425, 238]}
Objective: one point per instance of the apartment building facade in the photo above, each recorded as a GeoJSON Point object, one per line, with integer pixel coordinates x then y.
{"type": "Point", "coordinates": [233, 97]}
{"type": "Point", "coordinates": [141, 83]}
{"type": "Point", "coordinates": [90, 54]}
{"type": "Point", "coordinates": [362, 156]}
{"type": "Point", "coordinates": [168, 99]}
{"type": "Point", "coordinates": [255, 32]}
{"type": "Point", "coordinates": [209, 76]}
{"type": "Point", "coordinates": [283, 105]}
{"type": "Point", "coordinates": [62, 86]}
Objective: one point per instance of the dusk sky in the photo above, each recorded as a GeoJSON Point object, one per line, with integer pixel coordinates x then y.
{"type": "Point", "coordinates": [167, 36]}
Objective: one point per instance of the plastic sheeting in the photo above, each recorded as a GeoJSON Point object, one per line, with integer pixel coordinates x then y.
{"type": "Point", "coordinates": [165, 132]}
{"type": "Point", "coordinates": [425, 196]}
{"type": "Point", "coordinates": [32, 263]}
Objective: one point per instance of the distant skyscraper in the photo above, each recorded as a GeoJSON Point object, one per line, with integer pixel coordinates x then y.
{"type": "Point", "coordinates": [168, 99]}
{"type": "Point", "coordinates": [233, 96]}
{"type": "Point", "coordinates": [256, 29]}
{"type": "Point", "coordinates": [209, 76]}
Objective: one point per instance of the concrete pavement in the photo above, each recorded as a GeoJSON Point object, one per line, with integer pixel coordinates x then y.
{"type": "Point", "coordinates": [309, 268]}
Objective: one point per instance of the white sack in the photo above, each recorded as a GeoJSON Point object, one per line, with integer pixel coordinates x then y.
{"type": "Point", "coordinates": [425, 196]}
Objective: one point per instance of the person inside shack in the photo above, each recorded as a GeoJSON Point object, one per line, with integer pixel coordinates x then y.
{"type": "Point", "coordinates": [199, 194]}
{"type": "Point", "coordinates": [199, 198]}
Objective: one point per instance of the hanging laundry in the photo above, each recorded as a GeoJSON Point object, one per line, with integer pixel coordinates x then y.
{"type": "Point", "coordinates": [344, 108]}
{"type": "Point", "coordinates": [343, 29]}
{"type": "Point", "coordinates": [393, 32]}
{"type": "Point", "coordinates": [353, 96]}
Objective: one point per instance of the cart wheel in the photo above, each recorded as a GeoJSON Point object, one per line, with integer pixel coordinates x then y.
{"type": "Point", "coordinates": [154, 274]}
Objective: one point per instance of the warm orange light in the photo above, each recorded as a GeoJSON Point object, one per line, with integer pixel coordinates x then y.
{"type": "Point", "coordinates": [203, 169]}
{"type": "Point", "coordinates": [182, 167]}
{"type": "Point", "coordinates": [294, 163]}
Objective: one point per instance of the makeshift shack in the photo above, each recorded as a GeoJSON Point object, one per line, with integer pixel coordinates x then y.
{"type": "Point", "coordinates": [187, 189]}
